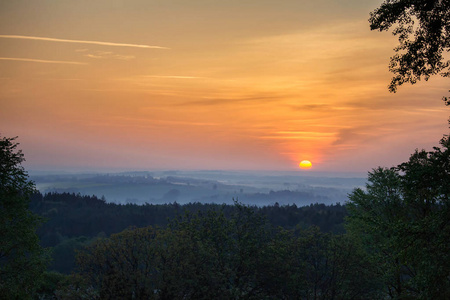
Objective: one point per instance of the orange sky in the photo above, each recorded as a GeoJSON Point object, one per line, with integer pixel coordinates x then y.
{"type": "Point", "coordinates": [206, 84]}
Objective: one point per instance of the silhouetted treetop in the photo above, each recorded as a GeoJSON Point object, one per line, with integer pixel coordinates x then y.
{"type": "Point", "coordinates": [423, 31]}
{"type": "Point", "coordinates": [22, 259]}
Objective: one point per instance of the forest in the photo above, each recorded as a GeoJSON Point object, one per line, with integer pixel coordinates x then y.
{"type": "Point", "coordinates": [390, 240]}
{"type": "Point", "coordinates": [73, 221]}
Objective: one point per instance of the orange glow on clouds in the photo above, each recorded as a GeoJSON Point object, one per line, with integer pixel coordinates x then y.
{"type": "Point", "coordinates": [200, 87]}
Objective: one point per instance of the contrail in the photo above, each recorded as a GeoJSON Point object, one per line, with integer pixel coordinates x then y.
{"type": "Point", "coordinates": [79, 41]}
{"type": "Point", "coordinates": [43, 61]}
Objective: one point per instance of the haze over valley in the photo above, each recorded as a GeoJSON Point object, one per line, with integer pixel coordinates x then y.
{"type": "Point", "coordinates": [250, 187]}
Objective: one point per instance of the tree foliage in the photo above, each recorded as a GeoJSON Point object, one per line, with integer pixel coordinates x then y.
{"type": "Point", "coordinates": [423, 31]}
{"type": "Point", "coordinates": [122, 266]}
{"type": "Point", "coordinates": [403, 219]}
{"type": "Point", "coordinates": [22, 260]}
{"type": "Point", "coordinates": [208, 255]}
{"type": "Point", "coordinates": [73, 220]}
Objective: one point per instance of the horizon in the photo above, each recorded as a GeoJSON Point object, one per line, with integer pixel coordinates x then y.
{"type": "Point", "coordinates": [256, 85]}
{"type": "Point", "coordinates": [250, 187]}
{"type": "Point", "coordinates": [173, 172]}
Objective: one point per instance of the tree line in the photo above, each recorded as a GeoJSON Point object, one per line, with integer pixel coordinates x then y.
{"type": "Point", "coordinates": [74, 220]}
{"type": "Point", "coordinates": [395, 244]}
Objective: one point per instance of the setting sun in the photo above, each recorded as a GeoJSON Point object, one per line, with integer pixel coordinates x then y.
{"type": "Point", "coordinates": [312, 90]}
{"type": "Point", "coordinates": [305, 164]}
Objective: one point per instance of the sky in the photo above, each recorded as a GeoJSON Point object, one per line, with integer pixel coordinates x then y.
{"type": "Point", "coordinates": [208, 85]}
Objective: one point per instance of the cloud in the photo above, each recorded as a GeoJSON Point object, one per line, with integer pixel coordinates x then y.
{"type": "Point", "coordinates": [172, 77]}
{"type": "Point", "coordinates": [80, 41]}
{"type": "Point", "coordinates": [62, 79]}
{"type": "Point", "coordinates": [232, 100]}
{"type": "Point", "coordinates": [144, 122]}
{"type": "Point", "coordinates": [352, 136]}
{"type": "Point", "coordinates": [312, 107]}
{"type": "Point", "coordinates": [367, 135]}
{"type": "Point", "coordinates": [299, 135]}
{"type": "Point", "coordinates": [43, 61]}
{"type": "Point", "coordinates": [108, 55]}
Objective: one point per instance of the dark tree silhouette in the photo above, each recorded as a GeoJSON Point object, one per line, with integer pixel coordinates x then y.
{"type": "Point", "coordinates": [403, 219]}
{"type": "Point", "coordinates": [22, 260]}
{"type": "Point", "coordinates": [423, 31]}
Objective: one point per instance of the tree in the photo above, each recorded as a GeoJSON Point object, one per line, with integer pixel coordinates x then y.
{"type": "Point", "coordinates": [310, 264]}
{"type": "Point", "coordinates": [22, 259]}
{"type": "Point", "coordinates": [423, 31]}
{"type": "Point", "coordinates": [209, 256]}
{"type": "Point", "coordinates": [123, 266]}
{"type": "Point", "coordinates": [373, 218]}
{"type": "Point", "coordinates": [195, 258]}
{"type": "Point", "coordinates": [206, 255]}
{"type": "Point", "coordinates": [403, 219]}
{"type": "Point", "coordinates": [425, 183]}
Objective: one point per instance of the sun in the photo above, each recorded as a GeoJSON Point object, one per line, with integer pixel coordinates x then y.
{"type": "Point", "coordinates": [305, 164]}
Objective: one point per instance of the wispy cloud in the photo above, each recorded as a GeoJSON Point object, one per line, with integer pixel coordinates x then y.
{"type": "Point", "coordinates": [43, 61]}
{"type": "Point", "coordinates": [364, 135]}
{"type": "Point", "coordinates": [108, 55]}
{"type": "Point", "coordinates": [62, 79]}
{"type": "Point", "coordinates": [172, 77]}
{"type": "Point", "coordinates": [305, 133]}
{"type": "Point", "coordinates": [48, 39]}
{"type": "Point", "coordinates": [300, 136]}
{"type": "Point", "coordinates": [312, 107]}
{"type": "Point", "coordinates": [156, 122]}
{"type": "Point", "coordinates": [231, 100]}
